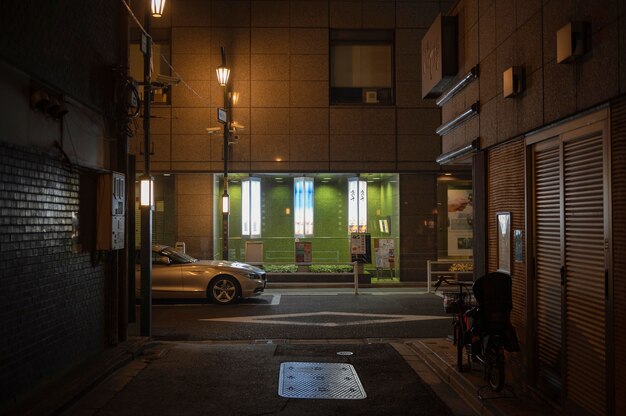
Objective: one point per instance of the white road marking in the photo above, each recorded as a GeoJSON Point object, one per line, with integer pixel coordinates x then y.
{"type": "Point", "coordinates": [275, 300]}
{"type": "Point", "coordinates": [278, 319]}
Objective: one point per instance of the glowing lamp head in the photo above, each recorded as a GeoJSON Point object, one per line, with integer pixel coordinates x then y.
{"type": "Point", "coordinates": [157, 7]}
{"type": "Point", "coordinates": [225, 203]}
{"type": "Point", "coordinates": [147, 192]}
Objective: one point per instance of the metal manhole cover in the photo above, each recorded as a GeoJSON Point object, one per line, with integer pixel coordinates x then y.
{"type": "Point", "coordinates": [302, 380]}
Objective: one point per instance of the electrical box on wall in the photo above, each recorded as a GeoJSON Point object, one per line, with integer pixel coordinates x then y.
{"type": "Point", "coordinates": [571, 42]}
{"type": "Point", "coordinates": [111, 202]}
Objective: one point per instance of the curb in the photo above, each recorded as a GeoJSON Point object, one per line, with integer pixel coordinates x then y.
{"type": "Point", "coordinates": [448, 374]}
{"type": "Point", "coordinates": [467, 385]}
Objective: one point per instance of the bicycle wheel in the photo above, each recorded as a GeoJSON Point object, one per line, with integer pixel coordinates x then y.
{"type": "Point", "coordinates": [494, 367]}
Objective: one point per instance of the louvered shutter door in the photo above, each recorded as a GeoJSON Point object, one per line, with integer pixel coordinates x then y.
{"type": "Point", "coordinates": [548, 261]}
{"type": "Point", "coordinates": [585, 265]}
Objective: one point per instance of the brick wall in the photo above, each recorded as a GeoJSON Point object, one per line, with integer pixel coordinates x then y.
{"type": "Point", "coordinates": [52, 314]}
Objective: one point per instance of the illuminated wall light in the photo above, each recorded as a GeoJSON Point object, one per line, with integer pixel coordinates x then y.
{"type": "Point", "coordinates": [357, 205]}
{"type": "Point", "coordinates": [251, 207]}
{"type": "Point", "coordinates": [147, 192]}
{"type": "Point", "coordinates": [303, 196]}
{"type": "Point", "coordinates": [225, 203]}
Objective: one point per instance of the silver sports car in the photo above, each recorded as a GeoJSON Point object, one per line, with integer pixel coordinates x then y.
{"type": "Point", "coordinates": [178, 275]}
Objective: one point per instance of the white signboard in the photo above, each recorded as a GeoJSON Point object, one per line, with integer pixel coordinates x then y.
{"type": "Point", "coordinates": [357, 244]}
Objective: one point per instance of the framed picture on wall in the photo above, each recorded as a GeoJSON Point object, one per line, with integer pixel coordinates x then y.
{"type": "Point", "coordinates": [503, 222]}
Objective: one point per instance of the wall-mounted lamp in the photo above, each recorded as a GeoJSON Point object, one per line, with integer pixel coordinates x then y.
{"type": "Point", "coordinates": [40, 100]}
{"type": "Point", "coordinates": [513, 81]}
{"type": "Point", "coordinates": [447, 127]}
{"type": "Point", "coordinates": [147, 191]}
{"type": "Point", "coordinates": [570, 42]}
{"type": "Point", "coordinates": [49, 103]}
{"type": "Point", "coordinates": [157, 7]}
{"type": "Point", "coordinates": [225, 203]}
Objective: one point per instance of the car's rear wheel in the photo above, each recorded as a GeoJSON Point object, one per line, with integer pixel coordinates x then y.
{"type": "Point", "coordinates": [223, 290]}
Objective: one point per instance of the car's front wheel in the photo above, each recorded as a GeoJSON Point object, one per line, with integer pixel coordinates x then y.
{"type": "Point", "coordinates": [223, 290]}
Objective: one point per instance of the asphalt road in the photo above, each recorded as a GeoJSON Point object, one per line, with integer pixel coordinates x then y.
{"type": "Point", "coordinates": [304, 314]}
{"type": "Point", "coordinates": [209, 359]}
{"type": "Point", "coordinates": [244, 379]}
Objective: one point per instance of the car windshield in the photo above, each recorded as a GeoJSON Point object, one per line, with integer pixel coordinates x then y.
{"type": "Point", "coordinates": [177, 256]}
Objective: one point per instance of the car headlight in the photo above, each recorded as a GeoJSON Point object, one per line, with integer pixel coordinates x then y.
{"type": "Point", "coordinates": [252, 276]}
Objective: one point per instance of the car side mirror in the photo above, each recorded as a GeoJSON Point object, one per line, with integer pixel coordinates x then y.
{"type": "Point", "coordinates": [164, 260]}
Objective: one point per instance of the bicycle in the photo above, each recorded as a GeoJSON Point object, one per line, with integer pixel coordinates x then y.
{"type": "Point", "coordinates": [455, 303]}
{"type": "Point", "coordinates": [491, 319]}
{"type": "Point", "coordinates": [483, 342]}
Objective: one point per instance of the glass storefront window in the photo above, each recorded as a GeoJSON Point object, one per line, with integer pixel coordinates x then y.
{"type": "Point", "coordinates": [455, 201]}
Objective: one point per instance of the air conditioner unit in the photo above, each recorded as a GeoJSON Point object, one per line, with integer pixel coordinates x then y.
{"type": "Point", "coordinates": [371, 97]}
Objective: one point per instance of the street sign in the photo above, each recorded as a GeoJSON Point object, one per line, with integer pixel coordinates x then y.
{"type": "Point", "coordinates": [222, 115]}
{"type": "Point", "coordinates": [144, 43]}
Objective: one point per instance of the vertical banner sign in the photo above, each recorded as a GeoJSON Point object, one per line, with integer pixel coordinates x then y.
{"type": "Point", "coordinates": [303, 206]}
{"type": "Point", "coordinates": [357, 205]}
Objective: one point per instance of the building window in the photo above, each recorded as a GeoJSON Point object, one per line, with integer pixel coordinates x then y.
{"type": "Point", "coordinates": [303, 206]}
{"type": "Point", "coordinates": [357, 205]}
{"type": "Point", "coordinates": [251, 207]}
{"type": "Point", "coordinates": [361, 67]}
{"type": "Point", "coordinates": [161, 52]}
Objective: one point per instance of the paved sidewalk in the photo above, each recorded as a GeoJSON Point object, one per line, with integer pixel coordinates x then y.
{"type": "Point", "coordinates": [53, 398]}
{"type": "Point", "coordinates": [226, 378]}
{"type": "Point", "coordinates": [93, 388]}
{"type": "Point", "coordinates": [440, 355]}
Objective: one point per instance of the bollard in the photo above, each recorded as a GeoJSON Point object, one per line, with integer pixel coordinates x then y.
{"type": "Point", "coordinates": [355, 269]}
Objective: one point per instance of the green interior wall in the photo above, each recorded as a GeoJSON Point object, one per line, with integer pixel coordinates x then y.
{"type": "Point", "coordinates": [331, 243]}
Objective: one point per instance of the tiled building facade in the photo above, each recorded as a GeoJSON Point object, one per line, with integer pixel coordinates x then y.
{"type": "Point", "coordinates": [279, 55]}
{"type": "Point", "coordinates": [550, 156]}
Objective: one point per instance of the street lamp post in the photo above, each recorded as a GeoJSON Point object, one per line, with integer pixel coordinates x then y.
{"type": "Point", "coordinates": [147, 185]}
{"type": "Point", "coordinates": [222, 77]}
